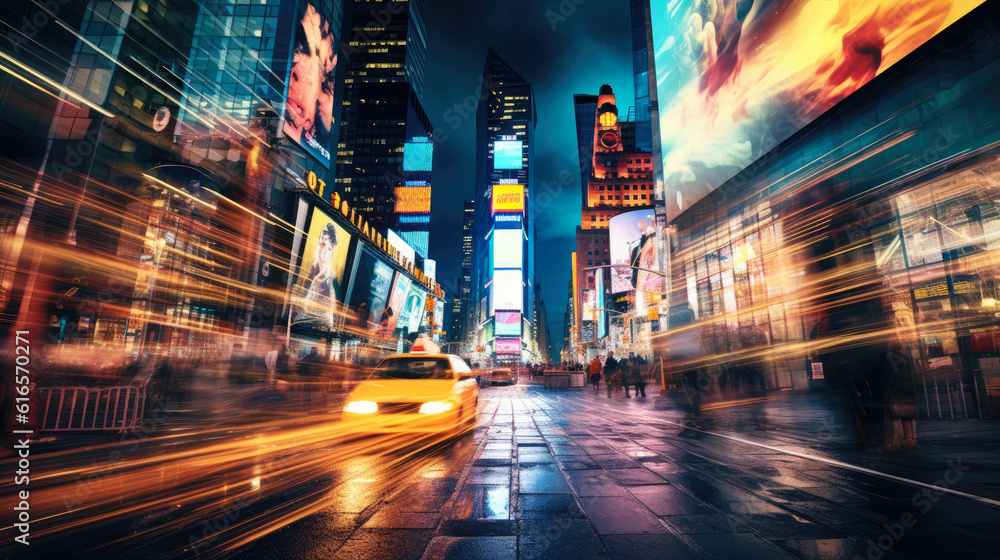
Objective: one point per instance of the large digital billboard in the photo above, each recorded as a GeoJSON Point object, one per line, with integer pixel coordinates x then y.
{"type": "Point", "coordinates": [413, 200]}
{"type": "Point", "coordinates": [412, 311]}
{"type": "Point", "coordinates": [402, 246]}
{"type": "Point", "coordinates": [508, 198]}
{"type": "Point", "coordinates": [602, 323]}
{"type": "Point", "coordinates": [508, 323]}
{"type": "Point", "coordinates": [321, 281]}
{"type": "Point", "coordinates": [370, 292]}
{"type": "Point", "coordinates": [418, 154]}
{"type": "Point", "coordinates": [309, 98]}
{"type": "Point", "coordinates": [508, 248]}
{"type": "Point", "coordinates": [588, 303]}
{"type": "Point", "coordinates": [507, 346]}
{"type": "Point", "coordinates": [507, 290]}
{"type": "Point", "coordinates": [507, 154]}
{"type": "Point", "coordinates": [389, 316]}
{"type": "Point", "coordinates": [627, 234]}
{"type": "Point", "coordinates": [735, 78]}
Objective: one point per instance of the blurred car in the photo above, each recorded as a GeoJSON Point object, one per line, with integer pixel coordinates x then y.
{"type": "Point", "coordinates": [418, 392]}
{"type": "Point", "coordinates": [502, 375]}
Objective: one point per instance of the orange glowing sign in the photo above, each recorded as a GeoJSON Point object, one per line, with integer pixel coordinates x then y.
{"type": "Point", "coordinates": [413, 200]}
{"type": "Point", "coordinates": [508, 198]}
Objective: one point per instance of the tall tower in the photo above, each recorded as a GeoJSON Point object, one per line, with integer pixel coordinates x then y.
{"type": "Point", "coordinates": [640, 74]}
{"type": "Point", "coordinates": [382, 115]}
{"type": "Point", "coordinates": [502, 279]}
{"type": "Point", "coordinates": [460, 303]}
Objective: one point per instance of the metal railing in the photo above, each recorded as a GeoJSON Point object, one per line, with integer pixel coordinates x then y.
{"type": "Point", "coordinates": [91, 409]}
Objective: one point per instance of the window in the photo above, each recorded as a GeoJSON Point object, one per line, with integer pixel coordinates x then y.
{"type": "Point", "coordinates": [590, 262]}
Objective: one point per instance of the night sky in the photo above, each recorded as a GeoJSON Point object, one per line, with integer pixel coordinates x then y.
{"type": "Point", "coordinates": [590, 47]}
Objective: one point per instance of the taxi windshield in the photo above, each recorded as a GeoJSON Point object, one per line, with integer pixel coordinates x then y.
{"type": "Point", "coordinates": [413, 368]}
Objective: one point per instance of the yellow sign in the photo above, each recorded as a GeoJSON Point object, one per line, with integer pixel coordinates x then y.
{"type": "Point", "coordinates": [508, 198]}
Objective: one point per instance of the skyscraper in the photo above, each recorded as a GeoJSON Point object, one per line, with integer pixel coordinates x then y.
{"type": "Point", "coordinates": [640, 74]}
{"type": "Point", "coordinates": [501, 289]}
{"type": "Point", "coordinates": [584, 107]}
{"type": "Point", "coordinates": [381, 112]}
{"type": "Point", "coordinates": [460, 303]}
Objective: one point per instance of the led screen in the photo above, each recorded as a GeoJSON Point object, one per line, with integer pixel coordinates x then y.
{"type": "Point", "coordinates": [321, 283]}
{"type": "Point", "coordinates": [508, 198]}
{"type": "Point", "coordinates": [430, 268]}
{"type": "Point", "coordinates": [588, 302]}
{"type": "Point", "coordinates": [372, 282]}
{"type": "Point", "coordinates": [417, 241]}
{"type": "Point", "coordinates": [417, 156]}
{"type": "Point", "coordinates": [413, 200]}
{"type": "Point", "coordinates": [602, 324]}
{"type": "Point", "coordinates": [507, 290]}
{"type": "Point", "coordinates": [412, 311]}
{"type": "Point", "coordinates": [389, 316]}
{"type": "Point", "coordinates": [735, 78]}
{"type": "Point", "coordinates": [508, 323]}
{"type": "Point", "coordinates": [632, 237]}
{"type": "Point", "coordinates": [508, 248]}
{"type": "Point", "coordinates": [308, 118]}
{"type": "Point", "coordinates": [402, 246]}
{"type": "Point", "coordinates": [507, 154]}
{"type": "Point", "coordinates": [507, 346]}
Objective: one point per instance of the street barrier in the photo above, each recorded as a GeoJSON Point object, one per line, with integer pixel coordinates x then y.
{"type": "Point", "coordinates": [91, 409]}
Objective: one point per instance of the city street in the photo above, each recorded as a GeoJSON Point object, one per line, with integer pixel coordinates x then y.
{"type": "Point", "coordinates": [571, 474]}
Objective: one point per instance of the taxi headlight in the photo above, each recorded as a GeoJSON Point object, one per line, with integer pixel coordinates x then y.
{"type": "Point", "coordinates": [435, 407]}
{"type": "Point", "coordinates": [361, 407]}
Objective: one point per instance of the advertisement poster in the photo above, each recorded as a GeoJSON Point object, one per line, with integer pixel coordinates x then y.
{"type": "Point", "coordinates": [507, 154]}
{"type": "Point", "coordinates": [508, 198]}
{"type": "Point", "coordinates": [321, 281]}
{"type": "Point", "coordinates": [632, 237]}
{"type": "Point", "coordinates": [508, 323]}
{"type": "Point", "coordinates": [602, 323]}
{"type": "Point", "coordinates": [736, 78]}
{"type": "Point", "coordinates": [508, 346]}
{"type": "Point", "coordinates": [588, 302]}
{"type": "Point", "coordinates": [507, 288]}
{"type": "Point", "coordinates": [390, 315]}
{"type": "Point", "coordinates": [309, 102]}
{"type": "Point", "coordinates": [411, 312]}
{"type": "Point", "coordinates": [508, 248]}
{"type": "Point", "coordinates": [372, 283]}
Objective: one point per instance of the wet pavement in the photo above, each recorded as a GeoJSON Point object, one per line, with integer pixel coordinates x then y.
{"type": "Point", "coordinates": [573, 475]}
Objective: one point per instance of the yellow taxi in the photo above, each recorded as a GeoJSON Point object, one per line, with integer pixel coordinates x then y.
{"type": "Point", "coordinates": [423, 391]}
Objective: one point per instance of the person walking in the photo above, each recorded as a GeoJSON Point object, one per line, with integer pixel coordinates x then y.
{"type": "Point", "coordinates": [623, 368]}
{"type": "Point", "coordinates": [635, 373]}
{"type": "Point", "coordinates": [610, 372]}
{"type": "Point", "coordinates": [595, 372]}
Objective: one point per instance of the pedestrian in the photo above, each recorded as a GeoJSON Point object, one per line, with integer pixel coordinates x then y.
{"type": "Point", "coordinates": [312, 362]}
{"type": "Point", "coordinates": [692, 394]}
{"type": "Point", "coordinates": [625, 374]}
{"type": "Point", "coordinates": [595, 372]}
{"type": "Point", "coordinates": [635, 371]}
{"type": "Point", "coordinates": [900, 405]}
{"type": "Point", "coordinates": [610, 372]}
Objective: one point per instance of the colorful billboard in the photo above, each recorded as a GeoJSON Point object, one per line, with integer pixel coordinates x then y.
{"type": "Point", "coordinates": [507, 346]}
{"type": "Point", "coordinates": [508, 154]}
{"type": "Point", "coordinates": [309, 99]}
{"type": "Point", "coordinates": [418, 154]}
{"type": "Point", "coordinates": [508, 198]}
{"type": "Point", "coordinates": [626, 233]}
{"type": "Point", "coordinates": [372, 281]}
{"type": "Point", "coordinates": [507, 290]}
{"type": "Point", "coordinates": [397, 300]}
{"type": "Point", "coordinates": [413, 200]}
{"type": "Point", "coordinates": [402, 246]}
{"type": "Point", "coordinates": [602, 323]}
{"type": "Point", "coordinates": [508, 248]}
{"type": "Point", "coordinates": [735, 78]}
{"type": "Point", "coordinates": [508, 323]}
{"type": "Point", "coordinates": [412, 311]}
{"type": "Point", "coordinates": [588, 302]}
{"type": "Point", "coordinates": [321, 281]}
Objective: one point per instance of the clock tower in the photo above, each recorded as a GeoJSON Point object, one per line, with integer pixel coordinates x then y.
{"type": "Point", "coordinates": [607, 130]}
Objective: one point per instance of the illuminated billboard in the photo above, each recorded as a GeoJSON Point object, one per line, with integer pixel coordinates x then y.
{"type": "Point", "coordinates": [412, 311]}
{"type": "Point", "coordinates": [402, 246]}
{"type": "Point", "coordinates": [508, 323]}
{"type": "Point", "coordinates": [508, 198]}
{"type": "Point", "coordinates": [430, 268]}
{"type": "Point", "coordinates": [602, 323]}
{"type": "Point", "coordinates": [736, 80]}
{"type": "Point", "coordinates": [418, 155]}
{"type": "Point", "coordinates": [389, 316]}
{"type": "Point", "coordinates": [507, 154]}
{"type": "Point", "coordinates": [372, 281]}
{"type": "Point", "coordinates": [308, 118]}
{"type": "Point", "coordinates": [413, 200]}
{"type": "Point", "coordinates": [507, 346]}
{"type": "Point", "coordinates": [632, 237]}
{"type": "Point", "coordinates": [418, 241]}
{"type": "Point", "coordinates": [321, 283]}
{"type": "Point", "coordinates": [507, 290]}
{"type": "Point", "coordinates": [508, 248]}
{"type": "Point", "coordinates": [588, 302]}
